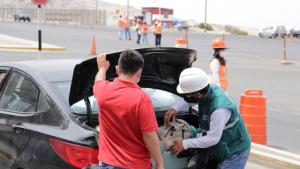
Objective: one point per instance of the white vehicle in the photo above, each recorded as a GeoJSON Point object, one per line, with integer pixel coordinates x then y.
{"type": "Point", "coordinates": [268, 32]}
{"type": "Point", "coordinates": [272, 32]}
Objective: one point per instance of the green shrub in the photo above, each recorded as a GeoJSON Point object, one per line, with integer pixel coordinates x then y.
{"type": "Point", "coordinates": [205, 26]}
{"type": "Point", "coordinates": [235, 30]}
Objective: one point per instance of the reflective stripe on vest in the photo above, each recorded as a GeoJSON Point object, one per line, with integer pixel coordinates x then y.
{"type": "Point", "coordinates": [232, 124]}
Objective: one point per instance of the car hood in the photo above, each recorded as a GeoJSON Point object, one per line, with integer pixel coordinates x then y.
{"type": "Point", "coordinates": [161, 70]}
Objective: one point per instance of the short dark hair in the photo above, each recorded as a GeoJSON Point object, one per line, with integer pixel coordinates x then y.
{"type": "Point", "coordinates": [130, 62]}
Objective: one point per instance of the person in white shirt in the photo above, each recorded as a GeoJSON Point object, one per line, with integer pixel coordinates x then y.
{"type": "Point", "coordinates": [217, 66]}
{"type": "Point", "coordinates": [222, 130]}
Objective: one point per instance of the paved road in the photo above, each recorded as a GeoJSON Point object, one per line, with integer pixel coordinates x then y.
{"type": "Point", "coordinates": [253, 64]}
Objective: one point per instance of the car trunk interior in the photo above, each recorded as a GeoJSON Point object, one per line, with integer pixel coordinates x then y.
{"type": "Point", "coordinates": [190, 117]}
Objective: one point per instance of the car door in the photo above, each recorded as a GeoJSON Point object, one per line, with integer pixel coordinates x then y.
{"type": "Point", "coordinates": [18, 104]}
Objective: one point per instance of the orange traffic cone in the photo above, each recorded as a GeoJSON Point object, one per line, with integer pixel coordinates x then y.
{"type": "Point", "coordinates": [181, 43]}
{"type": "Point", "coordinates": [93, 46]}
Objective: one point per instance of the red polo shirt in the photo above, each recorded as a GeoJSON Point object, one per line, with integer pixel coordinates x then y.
{"type": "Point", "coordinates": [126, 112]}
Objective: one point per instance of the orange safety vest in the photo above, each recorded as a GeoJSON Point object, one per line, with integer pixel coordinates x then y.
{"type": "Point", "coordinates": [126, 24]}
{"type": "Point", "coordinates": [222, 76]}
{"type": "Point", "coordinates": [144, 29]}
{"type": "Point", "coordinates": [120, 24]}
{"type": "Point", "coordinates": [157, 30]}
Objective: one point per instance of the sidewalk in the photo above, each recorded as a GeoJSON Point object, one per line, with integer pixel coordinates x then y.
{"type": "Point", "coordinates": [253, 165]}
{"type": "Point", "coordinates": [10, 43]}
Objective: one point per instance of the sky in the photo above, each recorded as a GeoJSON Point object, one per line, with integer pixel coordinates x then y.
{"type": "Point", "coordinates": [248, 13]}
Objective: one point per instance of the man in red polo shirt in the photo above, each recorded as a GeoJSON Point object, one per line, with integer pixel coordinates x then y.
{"type": "Point", "coordinates": [127, 120]}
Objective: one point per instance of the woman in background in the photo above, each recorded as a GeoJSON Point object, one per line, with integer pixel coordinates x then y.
{"type": "Point", "coordinates": [217, 66]}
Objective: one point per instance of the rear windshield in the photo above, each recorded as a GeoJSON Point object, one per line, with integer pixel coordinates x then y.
{"type": "Point", "coordinates": [161, 100]}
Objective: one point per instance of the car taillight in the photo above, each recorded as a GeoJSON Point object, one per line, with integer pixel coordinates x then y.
{"type": "Point", "coordinates": [78, 156]}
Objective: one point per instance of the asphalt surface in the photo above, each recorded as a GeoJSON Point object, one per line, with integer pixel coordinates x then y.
{"type": "Point", "coordinates": [253, 63]}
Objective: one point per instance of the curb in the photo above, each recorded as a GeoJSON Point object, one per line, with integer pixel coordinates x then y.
{"type": "Point", "coordinates": [14, 43]}
{"type": "Point", "coordinates": [31, 48]}
{"type": "Point", "coordinates": [273, 157]}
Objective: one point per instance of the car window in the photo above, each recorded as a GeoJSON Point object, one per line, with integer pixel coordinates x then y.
{"type": "Point", "coordinates": [2, 75]}
{"type": "Point", "coordinates": [20, 94]}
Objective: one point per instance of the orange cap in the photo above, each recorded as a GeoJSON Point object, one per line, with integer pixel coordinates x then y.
{"type": "Point", "coordinates": [218, 43]}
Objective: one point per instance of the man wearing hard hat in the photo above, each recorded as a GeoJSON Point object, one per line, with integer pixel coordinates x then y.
{"type": "Point", "coordinates": [222, 130]}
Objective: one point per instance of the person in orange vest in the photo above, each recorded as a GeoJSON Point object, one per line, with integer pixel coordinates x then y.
{"type": "Point", "coordinates": [157, 33]}
{"type": "Point", "coordinates": [138, 29]}
{"type": "Point", "coordinates": [217, 66]}
{"type": "Point", "coordinates": [127, 28]}
{"type": "Point", "coordinates": [145, 33]}
{"type": "Point", "coordinates": [121, 27]}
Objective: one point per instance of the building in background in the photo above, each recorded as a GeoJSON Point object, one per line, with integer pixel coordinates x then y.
{"type": "Point", "coordinates": [165, 15]}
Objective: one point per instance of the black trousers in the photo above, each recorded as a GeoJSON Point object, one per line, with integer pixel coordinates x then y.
{"type": "Point", "coordinates": [157, 39]}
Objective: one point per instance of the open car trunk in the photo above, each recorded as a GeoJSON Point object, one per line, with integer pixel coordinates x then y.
{"type": "Point", "coordinates": [161, 71]}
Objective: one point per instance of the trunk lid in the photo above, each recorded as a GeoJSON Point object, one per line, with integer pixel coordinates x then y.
{"type": "Point", "coordinates": [161, 70]}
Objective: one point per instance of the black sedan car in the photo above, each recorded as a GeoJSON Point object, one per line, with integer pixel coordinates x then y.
{"type": "Point", "coordinates": [49, 116]}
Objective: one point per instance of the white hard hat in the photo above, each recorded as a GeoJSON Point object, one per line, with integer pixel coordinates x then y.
{"type": "Point", "coordinates": [192, 80]}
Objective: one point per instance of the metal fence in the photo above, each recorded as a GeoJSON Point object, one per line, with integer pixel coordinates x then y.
{"type": "Point", "coordinates": [57, 16]}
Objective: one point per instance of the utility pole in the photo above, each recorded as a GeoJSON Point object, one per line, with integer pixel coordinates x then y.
{"type": "Point", "coordinates": [96, 12]}
{"type": "Point", "coordinates": [205, 16]}
{"type": "Point", "coordinates": [128, 9]}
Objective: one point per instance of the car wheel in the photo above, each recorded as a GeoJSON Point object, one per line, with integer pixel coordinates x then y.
{"type": "Point", "coordinates": [28, 19]}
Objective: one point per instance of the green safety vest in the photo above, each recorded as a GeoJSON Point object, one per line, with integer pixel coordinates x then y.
{"type": "Point", "coordinates": [235, 137]}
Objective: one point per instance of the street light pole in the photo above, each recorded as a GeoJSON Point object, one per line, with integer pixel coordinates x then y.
{"type": "Point", "coordinates": [96, 12]}
{"type": "Point", "coordinates": [39, 28]}
{"type": "Point", "coordinates": [205, 16]}
{"type": "Point", "coordinates": [128, 9]}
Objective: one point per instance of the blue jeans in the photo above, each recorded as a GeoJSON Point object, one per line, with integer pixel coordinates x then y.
{"type": "Point", "coordinates": [157, 39]}
{"type": "Point", "coordinates": [145, 38]}
{"type": "Point", "coordinates": [127, 34]}
{"type": "Point", "coordinates": [237, 161]}
{"type": "Point", "coordinates": [121, 33]}
{"type": "Point", "coordinates": [107, 166]}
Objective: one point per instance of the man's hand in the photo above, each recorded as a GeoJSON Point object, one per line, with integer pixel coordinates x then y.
{"type": "Point", "coordinates": [177, 147]}
{"type": "Point", "coordinates": [170, 116]}
{"type": "Point", "coordinates": [103, 64]}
